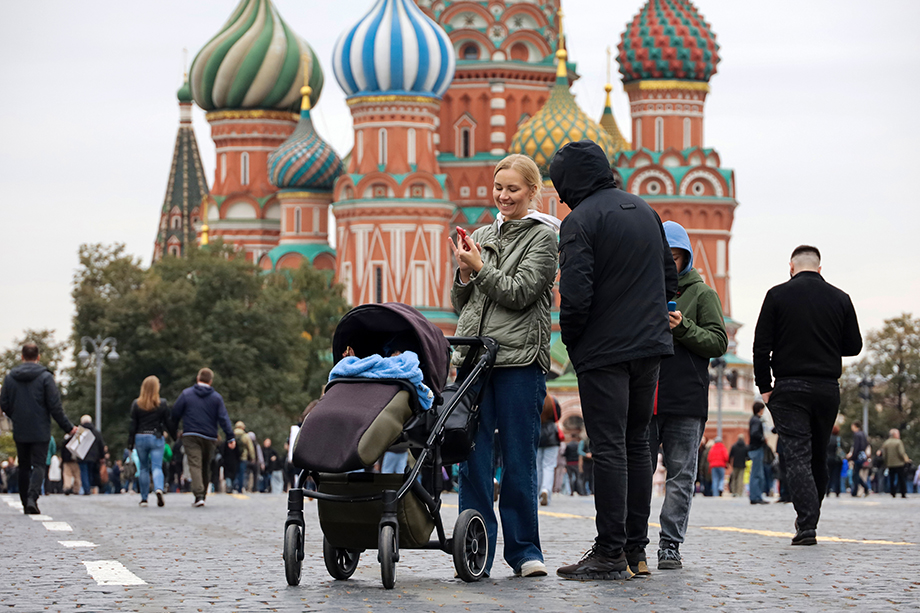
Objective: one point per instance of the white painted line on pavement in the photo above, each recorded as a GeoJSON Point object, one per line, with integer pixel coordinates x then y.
{"type": "Point", "coordinates": [77, 544]}
{"type": "Point", "coordinates": [110, 572]}
{"type": "Point", "coordinates": [40, 517]}
{"type": "Point", "coordinates": [57, 526]}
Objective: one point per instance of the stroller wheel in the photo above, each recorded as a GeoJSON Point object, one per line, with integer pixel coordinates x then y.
{"type": "Point", "coordinates": [293, 553]}
{"type": "Point", "coordinates": [470, 546]}
{"type": "Point", "coordinates": [386, 554]}
{"type": "Point", "coordinates": [341, 563]}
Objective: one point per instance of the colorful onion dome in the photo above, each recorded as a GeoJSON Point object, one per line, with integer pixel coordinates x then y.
{"type": "Point", "coordinates": [394, 49]}
{"type": "Point", "coordinates": [610, 124]}
{"type": "Point", "coordinates": [254, 62]}
{"type": "Point", "coordinates": [560, 121]}
{"type": "Point", "coordinates": [668, 39]}
{"type": "Point", "coordinates": [185, 92]}
{"type": "Point", "coordinates": [304, 160]}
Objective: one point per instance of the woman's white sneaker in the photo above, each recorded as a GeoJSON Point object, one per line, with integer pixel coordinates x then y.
{"type": "Point", "coordinates": [533, 568]}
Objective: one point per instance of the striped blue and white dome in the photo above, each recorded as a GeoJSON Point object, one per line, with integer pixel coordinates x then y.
{"type": "Point", "coordinates": [394, 49]}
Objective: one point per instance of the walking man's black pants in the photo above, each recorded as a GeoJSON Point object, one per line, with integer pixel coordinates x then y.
{"type": "Point", "coordinates": [32, 457]}
{"type": "Point", "coordinates": [804, 413]}
{"type": "Point", "coordinates": [897, 484]}
{"type": "Point", "coordinates": [617, 402]}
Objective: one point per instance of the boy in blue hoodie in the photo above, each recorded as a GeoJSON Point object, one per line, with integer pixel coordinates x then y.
{"type": "Point", "coordinates": [699, 334]}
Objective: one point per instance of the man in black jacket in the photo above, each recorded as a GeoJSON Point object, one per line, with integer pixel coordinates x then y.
{"type": "Point", "coordinates": [29, 396]}
{"type": "Point", "coordinates": [805, 326]}
{"type": "Point", "coordinates": [617, 273]}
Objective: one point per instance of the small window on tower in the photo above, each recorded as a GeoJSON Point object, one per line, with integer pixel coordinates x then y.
{"type": "Point", "coordinates": [244, 168]}
{"type": "Point", "coordinates": [470, 51]}
{"type": "Point", "coordinates": [465, 144]}
{"type": "Point", "coordinates": [378, 284]}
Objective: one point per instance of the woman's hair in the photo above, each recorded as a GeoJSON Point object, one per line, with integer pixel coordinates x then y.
{"type": "Point", "coordinates": [149, 398]}
{"type": "Point", "coordinates": [528, 170]}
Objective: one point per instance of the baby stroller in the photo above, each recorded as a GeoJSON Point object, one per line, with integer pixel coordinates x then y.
{"type": "Point", "coordinates": [358, 419]}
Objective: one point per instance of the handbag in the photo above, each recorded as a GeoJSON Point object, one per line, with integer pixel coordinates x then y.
{"type": "Point", "coordinates": [462, 425]}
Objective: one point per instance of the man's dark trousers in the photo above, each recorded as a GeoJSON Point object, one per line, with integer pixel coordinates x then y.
{"type": "Point", "coordinates": [32, 458]}
{"type": "Point", "coordinates": [804, 413]}
{"type": "Point", "coordinates": [897, 483]}
{"type": "Point", "coordinates": [617, 402]}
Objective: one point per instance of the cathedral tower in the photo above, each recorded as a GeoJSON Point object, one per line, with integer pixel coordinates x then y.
{"type": "Point", "coordinates": [392, 208]}
{"type": "Point", "coordinates": [248, 79]}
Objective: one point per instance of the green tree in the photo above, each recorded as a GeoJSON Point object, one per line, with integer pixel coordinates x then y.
{"type": "Point", "coordinates": [209, 309]}
{"type": "Point", "coordinates": [893, 362]}
{"type": "Point", "coordinates": [51, 351]}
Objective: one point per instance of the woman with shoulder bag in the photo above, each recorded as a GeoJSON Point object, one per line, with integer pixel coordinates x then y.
{"type": "Point", "coordinates": [149, 418]}
{"type": "Point", "coordinates": [503, 289]}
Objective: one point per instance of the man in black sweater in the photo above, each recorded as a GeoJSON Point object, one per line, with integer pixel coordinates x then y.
{"type": "Point", "coordinates": [805, 326]}
{"type": "Point", "coordinates": [29, 397]}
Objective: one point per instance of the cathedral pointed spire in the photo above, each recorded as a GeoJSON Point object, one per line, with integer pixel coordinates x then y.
{"type": "Point", "coordinates": [607, 120]}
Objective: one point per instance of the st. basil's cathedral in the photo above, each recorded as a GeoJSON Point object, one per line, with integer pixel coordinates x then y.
{"type": "Point", "coordinates": [439, 92]}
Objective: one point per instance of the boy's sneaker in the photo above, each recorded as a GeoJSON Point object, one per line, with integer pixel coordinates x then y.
{"type": "Point", "coordinates": [638, 565]}
{"type": "Point", "coordinates": [199, 502]}
{"type": "Point", "coordinates": [142, 504]}
{"type": "Point", "coordinates": [532, 568]}
{"type": "Point", "coordinates": [160, 501]}
{"type": "Point", "coordinates": [669, 557]}
{"type": "Point", "coordinates": [595, 566]}
{"type": "Point", "coordinates": [805, 537]}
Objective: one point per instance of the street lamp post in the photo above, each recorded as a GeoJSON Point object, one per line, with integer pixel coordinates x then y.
{"type": "Point", "coordinates": [102, 349]}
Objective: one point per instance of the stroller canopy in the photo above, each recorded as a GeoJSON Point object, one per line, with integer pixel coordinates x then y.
{"type": "Point", "coordinates": [369, 328]}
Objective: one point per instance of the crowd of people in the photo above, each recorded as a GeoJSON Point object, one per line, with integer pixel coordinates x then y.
{"type": "Point", "coordinates": [640, 326]}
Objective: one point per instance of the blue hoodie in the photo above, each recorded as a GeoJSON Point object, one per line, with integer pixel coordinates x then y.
{"type": "Point", "coordinates": [678, 239]}
{"type": "Point", "coordinates": [202, 410]}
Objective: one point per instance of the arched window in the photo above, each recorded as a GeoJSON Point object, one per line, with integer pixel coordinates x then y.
{"type": "Point", "coordinates": [659, 134]}
{"type": "Point", "coordinates": [297, 221]}
{"type": "Point", "coordinates": [174, 250]}
{"type": "Point", "coordinates": [244, 168]}
{"type": "Point", "coordinates": [410, 145]}
{"type": "Point", "coordinates": [470, 51]}
{"type": "Point", "coordinates": [176, 222]}
{"type": "Point", "coordinates": [687, 144]}
{"type": "Point", "coordinates": [637, 136]}
{"type": "Point", "coordinates": [465, 144]}
{"type": "Point", "coordinates": [360, 145]}
{"type": "Point", "coordinates": [382, 146]}
{"type": "Point", "coordinates": [223, 166]}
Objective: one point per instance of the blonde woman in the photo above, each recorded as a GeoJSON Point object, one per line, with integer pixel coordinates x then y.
{"type": "Point", "coordinates": [149, 419]}
{"type": "Point", "coordinates": [503, 288]}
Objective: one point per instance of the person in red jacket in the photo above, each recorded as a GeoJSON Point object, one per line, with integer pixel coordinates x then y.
{"type": "Point", "coordinates": [718, 460]}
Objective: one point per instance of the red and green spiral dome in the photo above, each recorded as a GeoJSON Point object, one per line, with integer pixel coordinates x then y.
{"type": "Point", "coordinates": [668, 39]}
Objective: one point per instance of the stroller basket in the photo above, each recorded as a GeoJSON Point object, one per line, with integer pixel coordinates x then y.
{"type": "Point", "coordinates": [355, 525]}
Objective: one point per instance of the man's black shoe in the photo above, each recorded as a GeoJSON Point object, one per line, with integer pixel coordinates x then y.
{"type": "Point", "coordinates": [761, 501]}
{"type": "Point", "coordinates": [669, 556]}
{"type": "Point", "coordinates": [805, 537]}
{"type": "Point", "coordinates": [595, 566]}
{"type": "Point", "coordinates": [31, 508]}
{"type": "Point", "coordinates": [637, 562]}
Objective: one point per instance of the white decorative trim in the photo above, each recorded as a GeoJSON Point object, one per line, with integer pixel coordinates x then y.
{"type": "Point", "coordinates": [653, 172]}
{"type": "Point", "coordinates": [701, 174]}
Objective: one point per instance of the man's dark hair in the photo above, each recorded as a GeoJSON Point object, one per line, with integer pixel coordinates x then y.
{"type": "Point", "coordinates": [206, 375]}
{"type": "Point", "coordinates": [858, 424]}
{"type": "Point", "coordinates": [758, 407]}
{"type": "Point", "coordinates": [30, 352]}
{"type": "Point", "coordinates": [805, 249]}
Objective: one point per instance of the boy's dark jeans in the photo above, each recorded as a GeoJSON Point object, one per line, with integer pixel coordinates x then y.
{"type": "Point", "coordinates": [804, 413]}
{"type": "Point", "coordinates": [616, 403]}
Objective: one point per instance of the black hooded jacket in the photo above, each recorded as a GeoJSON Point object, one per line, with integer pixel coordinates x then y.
{"type": "Point", "coordinates": [29, 396]}
{"type": "Point", "coordinates": [616, 266]}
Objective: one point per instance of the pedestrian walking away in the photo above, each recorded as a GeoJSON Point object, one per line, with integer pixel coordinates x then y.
{"type": "Point", "coordinates": [806, 325]}
{"type": "Point", "coordinates": [30, 398]}
{"type": "Point", "coordinates": [718, 462]}
{"type": "Point", "coordinates": [896, 462]}
{"type": "Point", "coordinates": [150, 418]}
{"type": "Point", "coordinates": [682, 408]}
{"type": "Point", "coordinates": [756, 446]}
{"type": "Point", "coordinates": [859, 455]}
{"type": "Point", "coordinates": [617, 274]}
{"type": "Point", "coordinates": [201, 410]}
{"type": "Point", "coordinates": [503, 288]}
{"type": "Point", "coordinates": [835, 456]}
{"type": "Point", "coordinates": [737, 456]}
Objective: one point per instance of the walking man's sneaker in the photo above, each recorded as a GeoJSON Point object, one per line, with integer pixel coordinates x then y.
{"type": "Point", "coordinates": [532, 568]}
{"type": "Point", "coordinates": [805, 537]}
{"type": "Point", "coordinates": [669, 556]}
{"type": "Point", "coordinates": [595, 566]}
{"type": "Point", "coordinates": [638, 565]}
{"type": "Point", "coordinates": [142, 504]}
{"type": "Point", "coordinates": [31, 508]}
{"type": "Point", "coordinates": [199, 502]}
{"type": "Point", "coordinates": [160, 501]}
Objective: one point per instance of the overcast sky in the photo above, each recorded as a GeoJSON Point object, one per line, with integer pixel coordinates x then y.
{"type": "Point", "coordinates": [813, 107]}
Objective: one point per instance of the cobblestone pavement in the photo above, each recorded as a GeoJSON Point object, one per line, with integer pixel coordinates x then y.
{"type": "Point", "coordinates": [227, 557]}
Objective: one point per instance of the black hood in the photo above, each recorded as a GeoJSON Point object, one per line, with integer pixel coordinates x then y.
{"type": "Point", "coordinates": [578, 170]}
{"type": "Point", "coordinates": [28, 371]}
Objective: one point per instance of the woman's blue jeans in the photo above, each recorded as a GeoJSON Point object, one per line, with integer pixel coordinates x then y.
{"type": "Point", "coordinates": [150, 454]}
{"type": "Point", "coordinates": [512, 402]}
{"type": "Point", "coordinates": [718, 480]}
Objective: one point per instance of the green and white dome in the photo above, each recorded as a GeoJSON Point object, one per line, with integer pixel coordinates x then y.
{"type": "Point", "coordinates": [254, 62]}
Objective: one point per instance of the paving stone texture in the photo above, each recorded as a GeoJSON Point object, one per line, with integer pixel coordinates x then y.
{"type": "Point", "coordinates": [227, 557]}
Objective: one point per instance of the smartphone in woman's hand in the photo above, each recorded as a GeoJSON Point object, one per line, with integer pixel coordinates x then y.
{"type": "Point", "coordinates": [461, 236]}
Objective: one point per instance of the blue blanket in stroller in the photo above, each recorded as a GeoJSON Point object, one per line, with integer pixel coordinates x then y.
{"type": "Point", "coordinates": [402, 366]}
